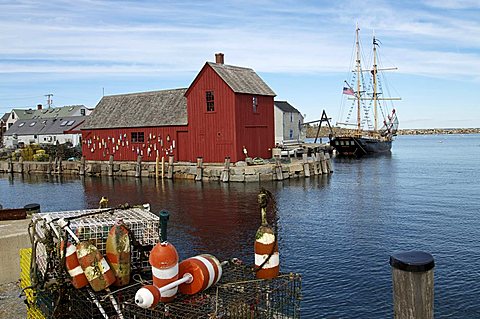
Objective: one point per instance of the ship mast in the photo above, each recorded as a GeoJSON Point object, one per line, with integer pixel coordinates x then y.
{"type": "Point", "coordinates": [374, 74]}
{"type": "Point", "coordinates": [359, 71]}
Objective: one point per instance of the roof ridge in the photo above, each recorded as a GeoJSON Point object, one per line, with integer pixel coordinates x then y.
{"type": "Point", "coordinates": [145, 93]}
{"type": "Point", "coordinates": [229, 66]}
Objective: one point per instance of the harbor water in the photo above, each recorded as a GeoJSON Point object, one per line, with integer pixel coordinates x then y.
{"type": "Point", "coordinates": [338, 231]}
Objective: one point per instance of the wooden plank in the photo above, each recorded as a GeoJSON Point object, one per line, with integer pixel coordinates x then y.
{"type": "Point", "coordinates": [13, 213]}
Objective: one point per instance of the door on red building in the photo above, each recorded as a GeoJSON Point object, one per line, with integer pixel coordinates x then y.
{"type": "Point", "coordinates": [182, 146]}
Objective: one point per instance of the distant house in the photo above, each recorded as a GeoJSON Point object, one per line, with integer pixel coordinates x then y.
{"type": "Point", "coordinates": [225, 110]}
{"type": "Point", "coordinates": [3, 126]}
{"type": "Point", "coordinates": [44, 131]}
{"type": "Point", "coordinates": [45, 113]}
{"type": "Point", "coordinates": [288, 123]}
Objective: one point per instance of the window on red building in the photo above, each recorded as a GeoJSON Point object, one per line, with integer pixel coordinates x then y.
{"type": "Point", "coordinates": [138, 137]}
{"type": "Point", "coordinates": [255, 104]}
{"type": "Point", "coordinates": [210, 101]}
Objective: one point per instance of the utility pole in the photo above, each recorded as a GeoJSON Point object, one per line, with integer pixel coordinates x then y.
{"type": "Point", "coordinates": [49, 99]}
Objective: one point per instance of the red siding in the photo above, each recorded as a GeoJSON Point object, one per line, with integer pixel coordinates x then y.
{"type": "Point", "coordinates": [255, 130]}
{"type": "Point", "coordinates": [100, 144]}
{"type": "Point", "coordinates": [212, 134]}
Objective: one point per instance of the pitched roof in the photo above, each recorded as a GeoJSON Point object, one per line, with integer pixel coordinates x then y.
{"type": "Point", "coordinates": [68, 110]}
{"type": "Point", "coordinates": [156, 108]}
{"type": "Point", "coordinates": [285, 107]}
{"type": "Point", "coordinates": [5, 117]}
{"type": "Point", "coordinates": [45, 126]}
{"type": "Point", "coordinates": [242, 80]}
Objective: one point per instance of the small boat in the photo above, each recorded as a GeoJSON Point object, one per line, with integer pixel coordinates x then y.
{"type": "Point", "coordinates": [360, 133]}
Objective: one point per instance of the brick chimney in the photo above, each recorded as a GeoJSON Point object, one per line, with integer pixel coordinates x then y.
{"type": "Point", "coordinates": [219, 58]}
{"type": "Point", "coordinates": [39, 106]}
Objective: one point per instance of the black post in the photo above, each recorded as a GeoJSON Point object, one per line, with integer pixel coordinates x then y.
{"type": "Point", "coordinates": [164, 216]}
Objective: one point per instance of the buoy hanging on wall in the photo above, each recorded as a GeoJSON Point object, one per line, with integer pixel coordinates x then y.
{"type": "Point", "coordinates": [267, 261]}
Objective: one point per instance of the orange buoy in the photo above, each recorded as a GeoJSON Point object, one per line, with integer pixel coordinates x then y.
{"type": "Point", "coordinates": [118, 253]}
{"type": "Point", "coordinates": [147, 297]}
{"type": "Point", "coordinates": [164, 261]}
{"type": "Point", "coordinates": [267, 261]}
{"type": "Point", "coordinates": [73, 267]}
{"type": "Point", "coordinates": [205, 271]}
{"type": "Point", "coordinates": [96, 268]}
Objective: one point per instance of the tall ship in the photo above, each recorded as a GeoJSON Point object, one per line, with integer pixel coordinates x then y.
{"type": "Point", "coordinates": [371, 121]}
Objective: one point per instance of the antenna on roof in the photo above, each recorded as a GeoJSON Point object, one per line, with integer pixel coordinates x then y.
{"type": "Point", "coordinates": [49, 99]}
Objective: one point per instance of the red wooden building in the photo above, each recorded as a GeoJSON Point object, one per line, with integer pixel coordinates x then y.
{"type": "Point", "coordinates": [225, 109]}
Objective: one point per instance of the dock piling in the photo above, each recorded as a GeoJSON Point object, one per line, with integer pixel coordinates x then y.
{"type": "Point", "coordinates": [138, 167]}
{"type": "Point", "coordinates": [60, 168]}
{"type": "Point", "coordinates": [81, 171]}
{"type": "Point", "coordinates": [225, 175]}
{"type": "Point", "coordinates": [163, 167]}
{"type": "Point", "coordinates": [278, 169]}
{"type": "Point", "coordinates": [323, 163]}
{"type": "Point", "coordinates": [306, 166]}
{"type": "Point", "coordinates": [20, 161]}
{"type": "Point", "coordinates": [10, 165]}
{"type": "Point", "coordinates": [199, 175]}
{"type": "Point", "coordinates": [328, 161]}
{"type": "Point", "coordinates": [412, 276]}
{"type": "Point", "coordinates": [110, 166]}
{"type": "Point", "coordinates": [55, 165]}
{"type": "Point", "coordinates": [170, 166]}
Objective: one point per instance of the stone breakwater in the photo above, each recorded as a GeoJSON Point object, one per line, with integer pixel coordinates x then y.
{"type": "Point", "coordinates": [439, 131]}
{"type": "Point", "coordinates": [317, 164]}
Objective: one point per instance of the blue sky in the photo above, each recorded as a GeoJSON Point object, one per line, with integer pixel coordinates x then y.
{"type": "Point", "coordinates": [76, 50]}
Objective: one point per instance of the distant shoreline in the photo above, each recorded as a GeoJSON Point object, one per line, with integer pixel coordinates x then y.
{"type": "Point", "coordinates": [324, 131]}
{"type": "Point", "coordinates": [433, 131]}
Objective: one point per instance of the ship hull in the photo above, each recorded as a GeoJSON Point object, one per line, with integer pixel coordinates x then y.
{"type": "Point", "coordinates": [360, 146]}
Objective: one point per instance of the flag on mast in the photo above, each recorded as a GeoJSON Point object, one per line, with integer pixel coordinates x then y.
{"type": "Point", "coordinates": [348, 91]}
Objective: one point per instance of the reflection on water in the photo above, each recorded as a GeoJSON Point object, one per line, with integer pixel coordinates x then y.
{"type": "Point", "coordinates": [338, 231]}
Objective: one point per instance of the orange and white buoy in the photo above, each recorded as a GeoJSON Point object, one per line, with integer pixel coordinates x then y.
{"type": "Point", "coordinates": [205, 271]}
{"type": "Point", "coordinates": [164, 261]}
{"type": "Point", "coordinates": [267, 261]}
{"type": "Point", "coordinates": [118, 253]}
{"type": "Point", "coordinates": [96, 268]}
{"type": "Point", "coordinates": [79, 280]}
{"type": "Point", "coordinates": [197, 274]}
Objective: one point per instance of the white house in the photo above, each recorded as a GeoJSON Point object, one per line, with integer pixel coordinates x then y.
{"type": "Point", "coordinates": [45, 131]}
{"type": "Point", "coordinates": [288, 124]}
{"type": "Point", "coordinates": [56, 125]}
{"type": "Point", "coordinates": [41, 113]}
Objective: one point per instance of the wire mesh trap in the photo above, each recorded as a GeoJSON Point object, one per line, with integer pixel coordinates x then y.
{"type": "Point", "coordinates": [238, 295]}
{"type": "Point", "coordinates": [49, 293]}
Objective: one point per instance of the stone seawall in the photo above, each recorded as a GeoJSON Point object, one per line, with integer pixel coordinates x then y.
{"type": "Point", "coordinates": [317, 164]}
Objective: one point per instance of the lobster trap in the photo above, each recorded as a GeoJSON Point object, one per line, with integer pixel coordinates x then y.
{"type": "Point", "coordinates": [48, 289]}
{"type": "Point", "coordinates": [238, 295]}
{"type": "Point", "coordinates": [94, 225]}
{"type": "Point", "coordinates": [49, 294]}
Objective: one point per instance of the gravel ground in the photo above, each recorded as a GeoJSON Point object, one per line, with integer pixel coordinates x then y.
{"type": "Point", "coordinates": [11, 305]}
